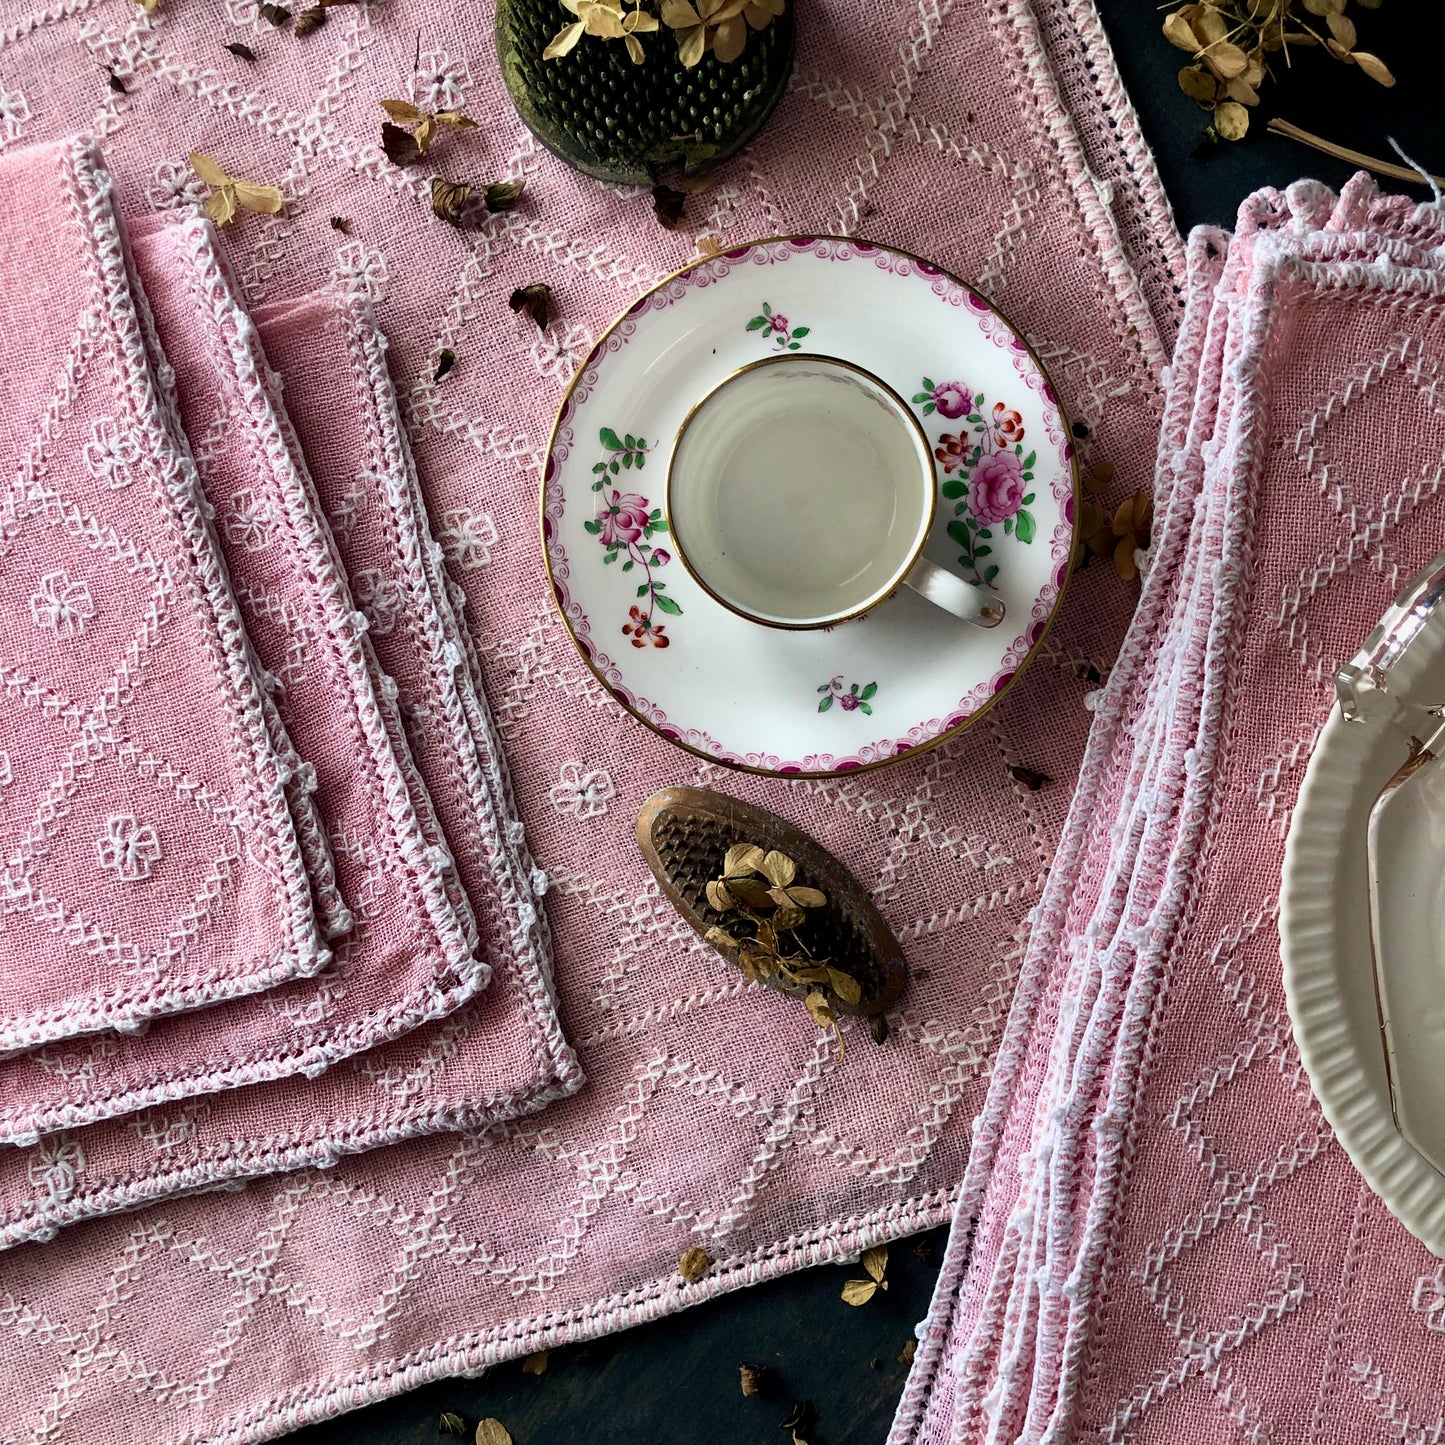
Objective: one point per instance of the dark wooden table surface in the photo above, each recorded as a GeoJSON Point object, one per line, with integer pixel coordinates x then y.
{"type": "Point", "coordinates": [677, 1381]}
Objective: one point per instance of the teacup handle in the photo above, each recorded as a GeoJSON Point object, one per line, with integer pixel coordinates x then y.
{"type": "Point", "coordinates": [974, 604]}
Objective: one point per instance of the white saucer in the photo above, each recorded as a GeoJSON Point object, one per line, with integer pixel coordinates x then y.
{"type": "Point", "coordinates": [1351, 1041]}
{"type": "Point", "coordinates": [868, 691]}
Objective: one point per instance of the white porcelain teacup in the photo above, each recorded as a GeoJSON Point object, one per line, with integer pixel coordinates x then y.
{"type": "Point", "coordinates": [801, 492]}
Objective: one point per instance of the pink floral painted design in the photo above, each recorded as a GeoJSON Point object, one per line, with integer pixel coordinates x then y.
{"type": "Point", "coordinates": [996, 488]}
{"type": "Point", "coordinates": [993, 478]}
{"type": "Point", "coordinates": [951, 399]}
{"type": "Point", "coordinates": [784, 336]}
{"type": "Point", "coordinates": [623, 516]}
{"type": "Point", "coordinates": [625, 524]}
{"type": "Point", "coordinates": [850, 697]}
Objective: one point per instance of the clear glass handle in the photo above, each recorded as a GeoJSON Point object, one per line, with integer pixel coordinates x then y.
{"type": "Point", "coordinates": [1368, 671]}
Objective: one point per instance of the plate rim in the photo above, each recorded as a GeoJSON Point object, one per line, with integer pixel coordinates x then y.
{"type": "Point", "coordinates": [1405, 1182]}
{"type": "Point", "coordinates": [739, 765]}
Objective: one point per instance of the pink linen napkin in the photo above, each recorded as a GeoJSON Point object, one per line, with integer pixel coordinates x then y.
{"type": "Point", "coordinates": [1195, 1267]}
{"type": "Point", "coordinates": [713, 1116]}
{"type": "Point", "coordinates": [496, 1058]}
{"type": "Point", "coordinates": [410, 956]}
{"type": "Point", "coordinates": [1092, 913]}
{"type": "Point", "coordinates": [1096, 847]}
{"type": "Point", "coordinates": [331, 360]}
{"type": "Point", "coordinates": [147, 867]}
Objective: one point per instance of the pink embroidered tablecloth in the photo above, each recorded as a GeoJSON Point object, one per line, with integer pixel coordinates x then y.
{"type": "Point", "coordinates": [147, 867]}
{"type": "Point", "coordinates": [942, 130]}
{"type": "Point", "coordinates": [1160, 1239]}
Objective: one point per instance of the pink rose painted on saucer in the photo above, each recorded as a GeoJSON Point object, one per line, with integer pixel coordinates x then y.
{"type": "Point", "coordinates": [996, 487]}
{"type": "Point", "coordinates": [987, 474]}
{"type": "Point", "coordinates": [951, 399]}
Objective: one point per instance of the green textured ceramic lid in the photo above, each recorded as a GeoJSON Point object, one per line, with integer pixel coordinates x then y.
{"type": "Point", "coordinates": [622, 122]}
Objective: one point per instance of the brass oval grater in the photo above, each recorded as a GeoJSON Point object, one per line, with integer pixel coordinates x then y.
{"type": "Point", "coordinates": [685, 833]}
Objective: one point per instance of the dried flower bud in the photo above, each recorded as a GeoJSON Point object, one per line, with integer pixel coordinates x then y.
{"type": "Point", "coordinates": [535, 300]}
{"type": "Point", "coordinates": [449, 199]}
{"type": "Point", "coordinates": [503, 195]}
{"type": "Point", "coordinates": [1029, 778]}
{"type": "Point", "coordinates": [401, 146]}
{"type": "Point", "coordinates": [667, 204]}
{"type": "Point", "coordinates": [1231, 119]}
{"type": "Point", "coordinates": [694, 1264]}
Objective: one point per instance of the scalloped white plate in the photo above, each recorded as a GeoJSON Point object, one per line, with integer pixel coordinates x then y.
{"type": "Point", "coordinates": [1329, 976]}
{"type": "Point", "coordinates": [867, 691]}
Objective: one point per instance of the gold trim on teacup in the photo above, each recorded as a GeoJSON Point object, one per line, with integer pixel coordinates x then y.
{"type": "Point", "coordinates": [928, 476]}
{"type": "Point", "coordinates": [599, 350]}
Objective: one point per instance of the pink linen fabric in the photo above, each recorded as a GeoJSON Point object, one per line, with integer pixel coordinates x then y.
{"type": "Point", "coordinates": [1163, 1241]}
{"type": "Point", "coordinates": [330, 357]}
{"type": "Point", "coordinates": [410, 956]}
{"type": "Point", "coordinates": [712, 1116]}
{"type": "Point", "coordinates": [499, 1057]}
{"type": "Point", "coordinates": [147, 868]}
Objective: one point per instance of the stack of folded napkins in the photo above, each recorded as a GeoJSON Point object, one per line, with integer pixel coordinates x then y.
{"type": "Point", "coordinates": [253, 818]}
{"type": "Point", "coordinates": [1158, 1237]}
